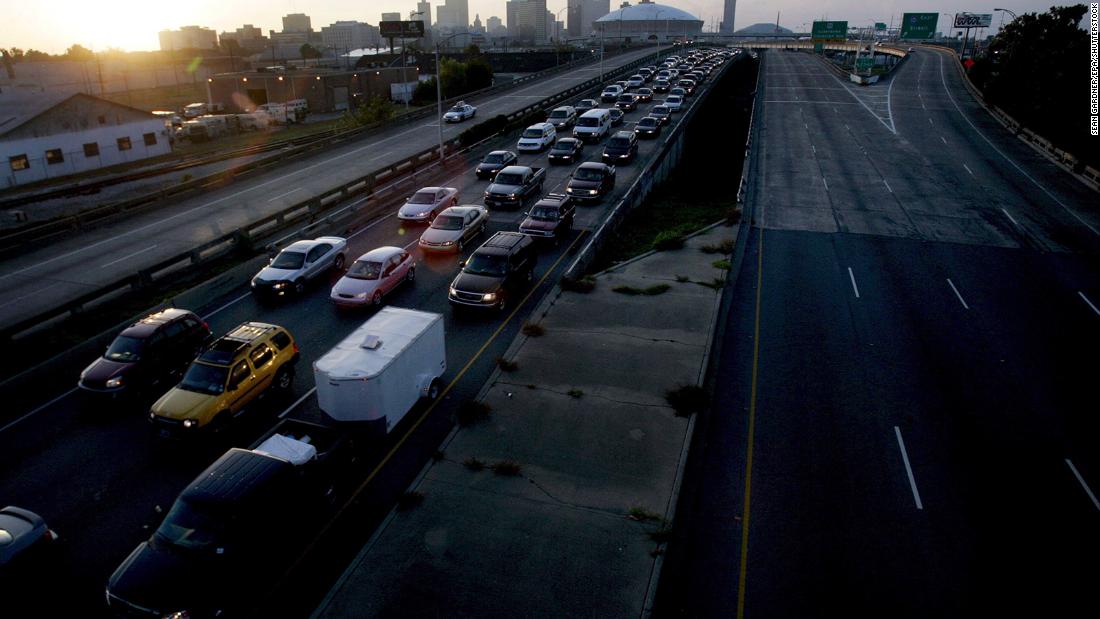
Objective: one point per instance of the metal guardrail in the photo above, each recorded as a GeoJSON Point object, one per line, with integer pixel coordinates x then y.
{"type": "Point", "coordinates": [652, 175]}
{"type": "Point", "coordinates": [310, 214]}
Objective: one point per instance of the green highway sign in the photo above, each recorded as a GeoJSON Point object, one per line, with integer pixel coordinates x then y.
{"type": "Point", "coordinates": [829, 31]}
{"type": "Point", "coordinates": [918, 25]}
{"type": "Point", "coordinates": [864, 63]}
{"type": "Point", "coordinates": [819, 47]}
{"type": "Point", "coordinates": [880, 25]}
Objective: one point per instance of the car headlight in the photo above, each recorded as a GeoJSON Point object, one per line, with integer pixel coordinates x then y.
{"type": "Point", "coordinates": [489, 296]}
{"type": "Point", "coordinates": [152, 416]}
{"type": "Point", "coordinates": [280, 285]}
{"type": "Point", "coordinates": [512, 196]}
{"type": "Point", "coordinates": [446, 243]}
{"type": "Point", "coordinates": [624, 156]}
{"type": "Point", "coordinates": [592, 192]}
{"type": "Point", "coordinates": [454, 293]}
{"type": "Point", "coordinates": [361, 295]}
{"type": "Point", "coordinates": [190, 423]}
{"type": "Point", "coordinates": [114, 382]}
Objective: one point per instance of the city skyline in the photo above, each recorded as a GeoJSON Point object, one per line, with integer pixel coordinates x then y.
{"type": "Point", "coordinates": [133, 26]}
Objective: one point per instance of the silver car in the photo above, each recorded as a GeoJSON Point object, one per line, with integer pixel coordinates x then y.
{"type": "Point", "coordinates": [460, 112]}
{"type": "Point", "coordinates": [298, 263]}
{"type": "Point", "coordinates": [424, 205]}
{"type": "Point", "coordinates": [372, 276]}
{"type": "Point", "coordinates": [454, 227]}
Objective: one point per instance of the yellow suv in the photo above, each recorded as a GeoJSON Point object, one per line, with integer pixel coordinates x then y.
{"type": "Point", "coordinates": [235, 370]}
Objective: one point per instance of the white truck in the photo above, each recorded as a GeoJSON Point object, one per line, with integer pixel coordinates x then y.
{"type": "Point", "coordinates": [376, 374]}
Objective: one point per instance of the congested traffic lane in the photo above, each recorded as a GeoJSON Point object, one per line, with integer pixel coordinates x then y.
{"type": "Point", "coordinates": [41, 278]}
{"type": "Point", "coordinates": [99, 477]}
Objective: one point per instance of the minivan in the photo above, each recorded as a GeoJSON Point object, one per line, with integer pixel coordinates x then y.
{"type": "Point", "coordinates": [593, 125]}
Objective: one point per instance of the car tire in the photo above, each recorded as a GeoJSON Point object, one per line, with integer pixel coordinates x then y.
{"type": "Point", "coordinates": [530, 275]}
{"type": "Point", "coordinates": [435, 388]}
{"type": "Point", "coordinates": [410, 276]}
{"type": "Point", "coordinates": [502, 304]}
{"type": "Point", "coordinates": [431, 217]}
{"type": "Point", "coordinates": [299, 287]}
{"type": "Point", "coordinates": [338, 263]}
{"type": "Point", "coordinates": [376, 300]}
{"type": "Point", "coordinates": [284, 379]}
{"type": "Point", "coordinates": [461, 245]}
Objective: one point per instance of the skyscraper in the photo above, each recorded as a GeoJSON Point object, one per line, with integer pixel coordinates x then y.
{"type": "Point", "coordinates": [425, 10]}
{"type": "Point", "coordinates": [297, 22]}
{"type": "Point", "coordinates": [453, 15]}
{"type": "Point", "coordinates": [727, 17]}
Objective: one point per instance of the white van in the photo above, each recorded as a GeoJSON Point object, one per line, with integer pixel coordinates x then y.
{"type": "Point", "coordinates": [593, 125]}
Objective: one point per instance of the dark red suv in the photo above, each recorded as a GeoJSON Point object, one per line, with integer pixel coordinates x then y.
{"type": "Point", "coordinates": [148, 357]}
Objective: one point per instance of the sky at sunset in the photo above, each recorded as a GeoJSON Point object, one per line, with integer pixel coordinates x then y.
{"type": "Point", "coordinates": [132, 25]}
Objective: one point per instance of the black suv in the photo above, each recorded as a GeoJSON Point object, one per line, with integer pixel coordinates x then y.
{"type": "Point", "coordinates": [148, 357]}
{"type": "Point", "coordinates": [621, 148]}
{"type": "Point", "coordinates": [494, 271]}
{"type": "Point", "coordinates": [219, 542]}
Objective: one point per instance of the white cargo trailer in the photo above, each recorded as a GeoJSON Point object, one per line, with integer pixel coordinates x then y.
{"type": "Point", "coordinates": [380, 371]}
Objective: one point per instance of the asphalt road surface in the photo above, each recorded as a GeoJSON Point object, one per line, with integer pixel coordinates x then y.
{"type": "Point", "coordinates": [905, 418]}
{"type": "Point", "coordinates": [44, 277]}
{"type": "Point", "coordinates": [103, 481]}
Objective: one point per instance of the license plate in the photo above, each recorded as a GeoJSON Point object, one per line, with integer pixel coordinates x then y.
{"type": "Point", "coordinates": [164, 432]}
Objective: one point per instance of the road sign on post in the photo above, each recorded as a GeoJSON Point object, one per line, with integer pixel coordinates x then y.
{"type": "Point", "coordinates": [829, 31]}
{"type": "Point", "coordinates": [918, 26]}
{"type": "Point", "coordinates": [880, 25]}
{"type": "Point", "coordinates": [401, 29]}
{"type": "Point", "coordinates": [864, 62]}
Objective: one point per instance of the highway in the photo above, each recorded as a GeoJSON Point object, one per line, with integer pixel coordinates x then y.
{"type": "Point", "coordinates": [905, 420]}
{"type": "Point", "coordinates": [103, 481]}
{"type": "Point", "coordinates": [45, 277]}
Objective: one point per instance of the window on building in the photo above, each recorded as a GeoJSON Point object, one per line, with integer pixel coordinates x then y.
{"type": "Point", "coordinates": [54, 155]}
{"type": "Point", "coordinates": [19, 162]}
{"type": "Point", "coordinates": [102, 119]}
{"type": "Point", "coordinates": [124, 143]}
{"type": "Point", "coordinates": [91, 150]}
{"type": "Point", "coordinates": [150, 139]}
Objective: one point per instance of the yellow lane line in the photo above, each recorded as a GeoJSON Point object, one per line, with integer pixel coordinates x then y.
{"type": "Point", "coordinates": [752, 430]}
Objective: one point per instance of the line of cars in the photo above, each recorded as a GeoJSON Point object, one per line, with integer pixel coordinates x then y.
{"type": "Point", "coordinates": [215, 379]}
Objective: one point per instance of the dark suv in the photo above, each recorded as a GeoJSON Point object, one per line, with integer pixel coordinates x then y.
{"type": "Point", "coordinates": [550, 218]}
{"type": "Point", "coordinates": [494, 271]}
{"type": "Point", "coordinates": [218, 543]}
{"type": "Point", "coordinates": [621, 148]}
{"type": "Point", "coordinates": [148, 357]}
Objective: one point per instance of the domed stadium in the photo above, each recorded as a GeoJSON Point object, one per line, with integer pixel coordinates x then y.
{"type": "Point", "coordinates": [648, 21]}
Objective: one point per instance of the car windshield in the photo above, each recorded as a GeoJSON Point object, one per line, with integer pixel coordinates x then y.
{"type": "Point", "coordinates": [494, 158]}
{"type": "Point", "coordinates": [289, 260]}
{"type": "Point", "coordinates": [125, 348]}
{"type": "Point", "coordinates": [202, 378]}
{"type": "Point", "coordinates": [587, 174]}
{"type": "Point", "coordinates": [586, 121]}
{"type": "Point", "coordinates": [616, 113]}
{"type": "Point", "coordinates": [364, 269]}
{"type": "Point", "coordinates": [545, 213]}
{"type": "Point", "coordinates": [422, 197]}
{"type": "Point", "coordinates": [559, 114]}
{"type": "Point", "coordinates": [625, 98]}
{"type": "Point", "coordinates": [509, 179]}
{"type": "Point", "coordinates": [194, 527]}
{"type": "Point", "coordinates": [532, 133]}
{"type": "Point", "coordinates": [564, 145]}
{"type": "Point", "coordinates": [482, 264]}
{"type": "Point", "coordinates": [458, 108]}
{"type": "Point", "coordinates": [618, 142]}
{"type": "Point", "coordinates": [647, 121]}
{"type": "Point", "coordinates": [660, 109]}
{"type": "Point", "coordinates": [447, 222]}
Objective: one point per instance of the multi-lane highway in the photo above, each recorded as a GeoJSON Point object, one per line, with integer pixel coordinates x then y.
{"type": "Point", "coordinates": [905, 419]}
{"type": "Point", "coordinates": [44, 277]}
{"type": "Point", "coordinates": [103, 480]}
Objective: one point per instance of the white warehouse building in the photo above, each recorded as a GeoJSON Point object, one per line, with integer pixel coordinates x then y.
{"type": "Point", "coordinates": [47, 135]}
{"type": "Point", "coordinates": [648, 21]}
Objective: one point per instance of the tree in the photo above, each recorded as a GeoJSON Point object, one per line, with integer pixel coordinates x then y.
{"type": "Point", "coordinates": [15, 53]}
{"type": "Point", "coordinates": [472, 51]}
{"type": "Point", "coordinates": [1036, 70]}
{"type": "Point", "coordinates": [453, 76]}
{"type": "Point", "coordinates": [377, 109]}
{"type": "Point", "coordinates": [78, 52]}
{"type": "Point", "coordinates": [308, 51]}
{"type": "Point", "coordinates": [479, 74]}
{"type": "Point", "coordinates": [34, 54]}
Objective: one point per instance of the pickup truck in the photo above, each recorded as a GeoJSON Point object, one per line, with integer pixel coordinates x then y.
{"type": "Point", "coordinates": [224, 539]}
{"type": "Point", "coordinates": [513, 185]}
